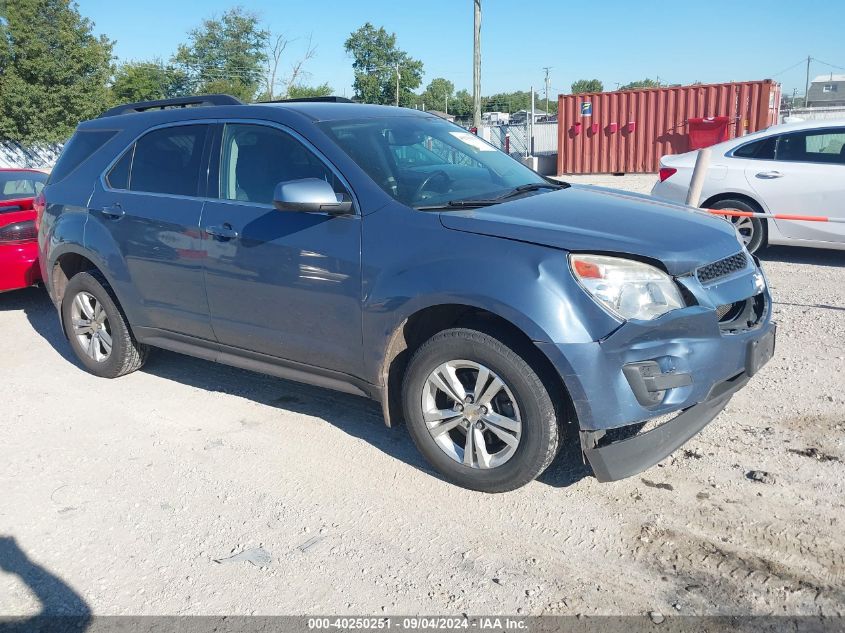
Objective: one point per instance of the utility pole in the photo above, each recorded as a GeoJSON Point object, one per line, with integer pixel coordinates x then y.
{"type": "Point", "coordinates": [547, 69]}
{"type": "Point", "coordinates": [476, 65]}
{"type": "Point", "coordinates": [397, 84]}
{"type": "Point", "coordinates": [447, 105]}
{"type": "Point", "coordinates": [807, 84]}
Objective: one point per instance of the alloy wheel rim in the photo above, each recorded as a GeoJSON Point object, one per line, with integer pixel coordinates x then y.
{"type": "Point", "coordinates": [471, 414]}
{"type": "Point", "coordinates": [745, 227]}
{"type": "Point", "coordinates": [91, 326]}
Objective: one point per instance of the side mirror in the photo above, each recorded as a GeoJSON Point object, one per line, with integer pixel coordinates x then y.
{"type": "Point", "coordinates": [310, 195]}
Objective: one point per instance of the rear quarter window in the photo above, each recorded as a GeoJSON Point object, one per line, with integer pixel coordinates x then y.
{"type": "Point", "coordinates": [764, 149]}
{"type": "Point", "coordinates": [79, 148]}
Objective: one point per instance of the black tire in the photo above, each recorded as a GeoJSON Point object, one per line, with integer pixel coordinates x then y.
{"type": "Point", "coordinates": [753, 230]}
{"type": "Point", "coordinates": [126, 354]}
{"type": "Point", "coordinates": [538, 443]}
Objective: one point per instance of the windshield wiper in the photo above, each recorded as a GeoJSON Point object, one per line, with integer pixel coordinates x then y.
{"type": "Point", "coordinates": [532, 186]}
{"type": "Point", "coordinates": [471, 203]}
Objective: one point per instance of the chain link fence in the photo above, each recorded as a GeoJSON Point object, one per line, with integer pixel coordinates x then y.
{"type": "Point", "coordinates": [523, 139]}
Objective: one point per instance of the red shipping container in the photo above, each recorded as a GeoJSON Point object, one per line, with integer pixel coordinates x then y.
{"type": "Point", "coordinates": [707, 131]}
{"type": "Point", "coordinates": [632, 129]}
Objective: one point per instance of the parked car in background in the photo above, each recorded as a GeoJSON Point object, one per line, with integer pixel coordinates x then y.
{"type": "Point", "coordinates": [797, 168]}
{"type": "Point", "coordinates": [388, 253]}
{"type": "Point", "coordinates": [18, 234]}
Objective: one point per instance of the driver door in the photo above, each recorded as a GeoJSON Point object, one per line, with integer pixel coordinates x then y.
{"type": "Point", "coordinates": [280, 283]}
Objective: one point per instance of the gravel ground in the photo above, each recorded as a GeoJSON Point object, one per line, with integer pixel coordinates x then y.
{"type": "Point", "coordinates": [128, 496]}
{"type": "Point", "coordinates": [641, 183]}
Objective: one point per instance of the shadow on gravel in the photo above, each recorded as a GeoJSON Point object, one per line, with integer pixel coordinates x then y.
{"type": "Point", "coordinates": [356, 416]}
{"type": "Point", "coordinates": [36, 305]}
{"type": "Point", "coordinates": [568, 468]}
{"type": "Point", "coordinates": [802, 255]}
{"type": "Point", "coordinates": [57, 598]}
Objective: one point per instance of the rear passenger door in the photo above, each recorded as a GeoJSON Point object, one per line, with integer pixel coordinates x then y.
{"type": "Point", "coordinates": [806, 178]}
{"type": "Point", "coordinates": [150, 202]}
{"type": "Point", "coordinates": [280, 283]}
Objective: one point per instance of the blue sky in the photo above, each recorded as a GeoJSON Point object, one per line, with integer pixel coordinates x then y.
{"type": "Point", "coordinates": [615, 41]}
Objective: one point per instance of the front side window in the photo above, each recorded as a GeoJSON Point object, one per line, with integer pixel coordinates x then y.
{"type": "Point", "coordinates": [422, 161]}
{"type": "Point", "coordinates": [166, 160]}
{"type": "Point", "coordinates": [255, 158]}
{"type": "Point", "coordinates": [813, 146]}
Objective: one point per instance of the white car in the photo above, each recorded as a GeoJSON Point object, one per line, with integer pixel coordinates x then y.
{"type": "Point", "coordinates": [796, 168]}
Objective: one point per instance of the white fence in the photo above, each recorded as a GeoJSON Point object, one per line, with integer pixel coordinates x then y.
{"type": "Point", "coordinates": [815, 114]}
{"type": "Point", "coordinates": [16, 155]}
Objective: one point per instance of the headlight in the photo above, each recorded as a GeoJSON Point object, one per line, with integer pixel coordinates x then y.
{"type": "Point", "coordinates": [628, 289]}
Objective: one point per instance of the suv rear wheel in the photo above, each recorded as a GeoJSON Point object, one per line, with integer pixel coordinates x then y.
{"type": "Point", "coordinates": [97, 330]}
{"type": "Point", "coordinates": [479, 412]}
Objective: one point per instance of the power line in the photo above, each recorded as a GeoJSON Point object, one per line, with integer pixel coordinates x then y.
{"type": "Point", "coordinates": [816, 59]}
{"type": "Point", "coordinates": [786, 70]}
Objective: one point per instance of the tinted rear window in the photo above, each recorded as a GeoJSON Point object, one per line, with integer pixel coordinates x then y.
{"type": "Point", "coordinates": [21, 184]}
{"type": "Point", "coordinates": [168, 160]}
{"type": "Point", "coordinates": [79, 149]}
{"type": "Point", "coordinates": [763, 149]}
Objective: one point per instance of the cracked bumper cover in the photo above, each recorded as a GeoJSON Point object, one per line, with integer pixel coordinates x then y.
{"type": "Point", "coordinates": [623, 458]}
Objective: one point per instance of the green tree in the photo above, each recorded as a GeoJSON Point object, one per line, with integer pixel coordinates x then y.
{"type": "Point", "coordinates": [587, 85]}
{"type": "Point", "coordinates": [461, 105]}
{"type": "Point", "coordinates": [376, 60]}
{"type": "Point", "coordinates": [144, 81]}
{"type": "Point", "coordinates": [439, 95]}
{"type": "Point", "coordinates": [514, 101]}
{"type": "Point", "coordinates": [226, 54]}
{"type": "Point", "coordinates": [303, 91]}
{"type": "Point", "coordinates": [642, 83]}
{"type": "Point", "coordinates": [53, 70]}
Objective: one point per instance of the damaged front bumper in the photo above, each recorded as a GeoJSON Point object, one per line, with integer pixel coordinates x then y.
{"type": "Point", "coordinates": [617, 459]}
{"type": "Point", "coordinates": [688, 364]}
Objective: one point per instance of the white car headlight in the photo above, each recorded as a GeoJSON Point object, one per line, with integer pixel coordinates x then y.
{"type": "Point", "coordinates": [626, 288]}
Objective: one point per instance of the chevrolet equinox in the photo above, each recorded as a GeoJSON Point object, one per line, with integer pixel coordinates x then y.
{"type": "Point", "coordinates": [385, 252]}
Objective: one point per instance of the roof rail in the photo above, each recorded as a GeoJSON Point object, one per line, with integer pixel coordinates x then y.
{"type": "Point", "coordinates": [178, 102]}
{"type": "Point", "coordinates": [327, 99]}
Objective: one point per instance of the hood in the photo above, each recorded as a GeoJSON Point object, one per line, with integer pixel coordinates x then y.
{"type": "Point", "coordinates": [599, 220]}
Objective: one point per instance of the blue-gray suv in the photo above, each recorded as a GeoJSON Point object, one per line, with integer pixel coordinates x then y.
{"type": "Point", "coordinates": [386, 252]}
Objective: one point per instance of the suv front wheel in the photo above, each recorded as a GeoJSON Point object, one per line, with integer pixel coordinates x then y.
{"type": "Point", "coordinates": [479, 412]}
{"type": "Point", "coordinates": [97, 330]}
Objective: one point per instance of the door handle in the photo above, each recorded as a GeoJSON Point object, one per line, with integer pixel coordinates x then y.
{"type": "Point", "coordinates": [768, 175]}
{"type": "Point", "coordinates": [225, 231]}
{"type": "Point", "coordinates": [113, 211]}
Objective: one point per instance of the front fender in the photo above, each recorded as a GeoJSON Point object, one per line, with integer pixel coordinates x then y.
{"type": "Point", "coordinates": [528, 285]}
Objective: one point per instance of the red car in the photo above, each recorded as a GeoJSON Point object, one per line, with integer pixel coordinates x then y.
{"type": "Point", "coordinates": [18, 234]}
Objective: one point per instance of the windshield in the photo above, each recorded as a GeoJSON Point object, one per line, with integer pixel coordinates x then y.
{"type": "Point", "coordinates": [21, 184]}
{"type": "Point", "coordinates": [426, 162]}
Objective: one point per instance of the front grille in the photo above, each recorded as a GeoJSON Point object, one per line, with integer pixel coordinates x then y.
{"type": "Point", "coordinates": [722, 268]}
